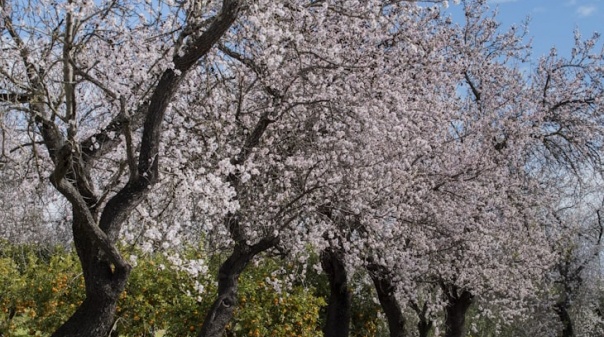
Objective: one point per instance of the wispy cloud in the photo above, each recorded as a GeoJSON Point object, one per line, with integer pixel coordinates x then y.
{"type": "Point", "coordinates": [586, 10]}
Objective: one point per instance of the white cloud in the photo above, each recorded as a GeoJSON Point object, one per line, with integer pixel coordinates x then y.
{"type": "Point", "coordinates": [586, 10]}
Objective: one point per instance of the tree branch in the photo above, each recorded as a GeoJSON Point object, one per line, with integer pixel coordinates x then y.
{"type": "Point", "coordinates": [14, 98]}
{"type": "Point", "coordinates": [202, 44]}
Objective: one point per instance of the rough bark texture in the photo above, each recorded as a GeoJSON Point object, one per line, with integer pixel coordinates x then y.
{"type": "Point", "coordinates": [104, 283]}
{"type": "Point", "coordinates": [458, 303]}
{"type": "Point", "coordinates": [94, 317]}
{"type": "Point", "coordinates": [385, 289]}
{"type": "Point", "coordinates": [221, 311]}
{"type": "Point", "coordinates": [105, 271]}
{"type": "Point", "coordinates": [337, 322]}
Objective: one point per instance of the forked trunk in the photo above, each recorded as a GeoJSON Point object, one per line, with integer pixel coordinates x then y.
{"type": "Point", "coordinates": [424, 326]}
{"type": "Point", "coordinates": [339, 305]}
{"type": "Point", "coordinates": [104, 284]}
{"type": "Point", "coordinates": [221, 311]}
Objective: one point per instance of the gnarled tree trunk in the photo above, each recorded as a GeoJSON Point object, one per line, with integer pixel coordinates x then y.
{"type": "Point", "coordinates": [337, 322]}
{"type": "Point", "coordinates": [104, 283]}
{"type": "Point", "coordinates": [221, 311]}
{"type": "Point", "coordinates": [105, 271]}
{"type": "Point", "coordinates": [96, 315]}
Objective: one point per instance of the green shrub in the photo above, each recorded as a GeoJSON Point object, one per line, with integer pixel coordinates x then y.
{"type": "Point", "coordinates": [40, 289]}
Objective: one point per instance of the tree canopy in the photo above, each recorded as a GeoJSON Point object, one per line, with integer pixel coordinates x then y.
{"type": "Point", "coordinates": [375, 138]}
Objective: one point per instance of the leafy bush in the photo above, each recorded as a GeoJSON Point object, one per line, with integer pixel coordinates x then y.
{"type": "Point", "coordinates": [40, 289]}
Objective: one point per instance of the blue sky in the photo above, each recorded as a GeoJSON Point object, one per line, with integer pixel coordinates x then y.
{"type": "Point", "coordinates": [552, 22]}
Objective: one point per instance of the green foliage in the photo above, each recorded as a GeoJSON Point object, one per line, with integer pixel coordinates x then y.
{"type": "Point", "coordinates": [159, 298]}
{"type": "Point", "coordinates": [40, 289]}
{"type": "Point", "coordinates": [285, 312]}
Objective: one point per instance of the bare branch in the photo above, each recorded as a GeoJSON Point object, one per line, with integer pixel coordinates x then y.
{"type": "Point", "coordinates": [14, 98]}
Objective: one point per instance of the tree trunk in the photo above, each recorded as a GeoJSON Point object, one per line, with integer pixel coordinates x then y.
{"type": "Point", "coordinates": [385, 290]}
{"type": "Point", "coordinates": [104, 283]}
{"type": "Point", "coordinates": [567, 324]}
{"type": "Point", "coordinates": [337, 322]}
{"type": "Point", "coordinates": [221, 311]}
{"type": "Point", "coordinates": [458, 303]}
{"type": "Point", "coordinates": [94, 317]}
{"type": "Point", "coordinates": [425, 324]}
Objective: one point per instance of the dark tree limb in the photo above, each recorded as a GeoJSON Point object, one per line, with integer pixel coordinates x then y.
{"type": "Point", "coordinates": [221, 311]}
{"type": "Point", "coordinates": [458, 303]}
{"type": "Point", "coordinates": [337, 322]}
{"type": "Point", "coordinates": [14, 97]}
{"type": "Point", "coordinates": [385, 288]}
{"type": "Point", "coordinates": [201, 44]}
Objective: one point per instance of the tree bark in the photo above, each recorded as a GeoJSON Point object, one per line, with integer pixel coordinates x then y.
{"type": "Point", "coordinates": [95, 237]}
{"type": "Point", "coordinates": [458, 303]}
{"type": "Point", "coordinates": [567, 324]}
{"type": "Point", "coordinates": [221, 311]}
{"type": "Point", "coordinates": [337, 322]}
{"type": "Point", "coordinates": [94, 317]}
{"type": "Point", "coordinates": [104, 284]}
{"type": "Point", "coordinates": [424, 327]}
{"type": "Point", "coordinates": [382, 280]}
{"type": "Point", "coordinates": [105, 271]}
{"type": "Point", "coordinates": [425, 324]}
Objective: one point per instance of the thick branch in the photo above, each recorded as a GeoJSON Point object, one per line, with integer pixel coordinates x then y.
{"type": "Point", "coordinates": [474, 89]}
{"type": "Point", "coordinates": [75, 198]}
{"type": "Point", "coordinates": [124, 201]}
{"type": "Point", "coordinates": [120, 205]}
{"type": "Point", "coordinates": [202, 44]}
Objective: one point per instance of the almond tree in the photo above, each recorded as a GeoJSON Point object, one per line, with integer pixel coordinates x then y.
{"type": "Point", "coordinates": [87, 77]}
{"type": "Point", "coordinates": [296, 123]}
{"type": "Point", "coordinates": [305, 125]}
{"type": "Point", "coordinates": [483, 217]}
{"type": "Point", "coordinates": [566, 157]}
